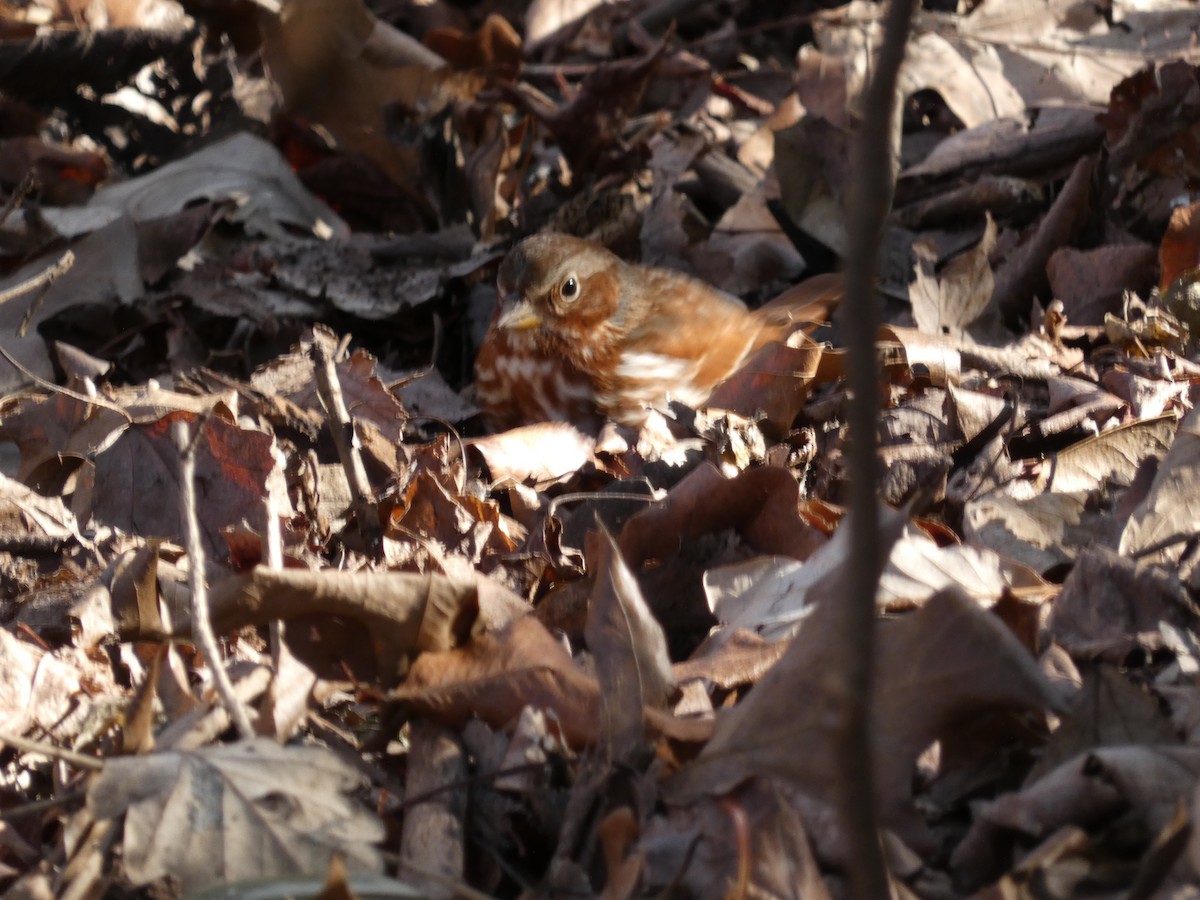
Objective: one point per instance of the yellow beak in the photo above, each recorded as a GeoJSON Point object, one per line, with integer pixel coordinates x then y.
{"type": "Point", "coordinates": [521, 316]}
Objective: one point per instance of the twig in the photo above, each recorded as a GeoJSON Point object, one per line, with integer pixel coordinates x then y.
{"type": "Point", "coordinates": [201, 623]}
{"type": "Point", "coordinates": [42, 280]}
{"type": "Point", "coordinates": [470, 780]}
{"type": "Point", "coordinates": [66, 392]}
{"type": "Point", "coordinates": [433, 833]}
{"type": "Point", "coordinates": [330, 391]}
{"type": "Point", "coordinates": [39, 806]}
{"type": "Point", "coordinates": [870, 199]}
{"type": "Point", "coordinates": [562, 499]}
{"type": "Point", "coordinates": [19, 193]}
{"type": "Point", "coordinates": [25, 745]}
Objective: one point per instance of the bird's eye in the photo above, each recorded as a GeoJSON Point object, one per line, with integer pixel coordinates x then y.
{"type": "Point", "coordinates": [570, 288]}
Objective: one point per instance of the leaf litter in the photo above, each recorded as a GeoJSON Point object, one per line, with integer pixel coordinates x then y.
{"type": "Point", "coordinates": [558, 662]}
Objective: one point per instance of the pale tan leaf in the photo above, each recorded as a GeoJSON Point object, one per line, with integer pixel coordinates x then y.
{"type": "Point", "coordinates": [232, 812]}
{"type": "Point", "coordinates": [1167, 520]}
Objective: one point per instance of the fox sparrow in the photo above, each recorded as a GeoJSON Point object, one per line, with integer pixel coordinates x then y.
{"type": "Point", "coordinates": [581, 336]}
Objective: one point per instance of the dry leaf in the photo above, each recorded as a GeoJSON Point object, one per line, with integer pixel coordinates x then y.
{"type": "Point", "coordinates": [946, 661]}
{"type": "Point", "coordinates": [630, 649]}
{"type": "Point", "coordinates": [234, 812]}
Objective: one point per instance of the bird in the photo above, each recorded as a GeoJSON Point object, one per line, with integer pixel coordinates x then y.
{"type": "Point", "coordinates": [581, 336]}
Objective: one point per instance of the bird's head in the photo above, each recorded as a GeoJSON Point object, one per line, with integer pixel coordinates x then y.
{"type": "Point", "coordinates": [557, 287]}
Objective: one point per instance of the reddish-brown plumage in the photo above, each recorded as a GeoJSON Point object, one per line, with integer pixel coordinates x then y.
{"type": "Point", "coordinates": [581, 336]}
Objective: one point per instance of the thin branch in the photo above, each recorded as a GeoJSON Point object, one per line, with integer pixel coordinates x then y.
{"type": "Point", "coordinates": [870, 200]}
{"type": "Point", "coordinates": [42, 280]}
{"type": "Point", "coordinates": [330, 391]}
{"type": "Point", "coordinates": [25, 745]}
{"type": "Point", "coordinates": [202, 631]}
{"type": "Point", "coordinates": [18, 195]}
{"type": "Point", "coordinates": [36, 807]}
{"type": "Point", "coordinates": [66, 392]}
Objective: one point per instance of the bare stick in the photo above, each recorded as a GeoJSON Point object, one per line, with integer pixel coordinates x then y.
{"type": "Point", "coordinates": [433, 831]}
{"type": "Point", "coordinates": [25, 745]}
{"type": "Point", "coordinates": [59, 389]}
{"type": "Point", "coordinates": [20, 192]}
{"type": "Point", "coordinates": [330, 391]}
{"type": "Point", "coordinates": [42, 280]}
{"type": "Point", "coordinates": [870, 197]}
{"type": "Point", "coordinates": [201, 624]}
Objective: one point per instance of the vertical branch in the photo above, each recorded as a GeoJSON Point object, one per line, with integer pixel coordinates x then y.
{"type": "Point", "coordinates": [202, 631]}
{"type": "Point", "coordinates": [330, 391]}
{"type": "Point", "coordinates": [870, 200]}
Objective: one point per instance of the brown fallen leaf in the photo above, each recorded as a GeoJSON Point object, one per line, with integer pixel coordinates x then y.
{"type": "Point", "coordinates": [396, 614]}
{"type": "Point", "coordinates": [499, 673]}
{"type": "Point", "coordinates": [772, 384]}
{"type": "Point", "coordinates": [742, 659]}
{"type": "Point", "coordinates": [752, 840]}
{"type": "Point", "coordinates": [1022, 276]}
{"type": "Point", "coordinates": [1109, 710]}
{"type": "Point", "coordinates": [1111, 605]}
{"type": "Point", "coordinates": [1179, 251]}
{"type": "Point", "coordinates": [137, 479]}
{"type": "Point", "coordinates": [339, 65]}
{"type": "Point", "coordinates": [936, 667]}
{"type": "Point", "coordinates": [761, 504]}
{"type": "Point", "coordinates": [494, 44]}
{"type": "Point", "coordinates": [1142, 784]}
{"type": "Point", "coordinates": [629, 647]}
{"type": "Point", "coordinates": [1091, 283]}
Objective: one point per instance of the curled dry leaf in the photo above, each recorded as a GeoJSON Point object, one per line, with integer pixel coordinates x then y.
{"type": "Point", "coordinates": [498, 674]}
{"type": "Point", "coordinates": [540, 455]}
{"type": "Point", "coordinates": [401, 614]}
{"type": "Point", "coordinates": [1014, 146]}
{"type": "Point", "coordinates": [456, 520]}
{"type": "Point", "coordinates": [772, 596]}
{"type": "Point", "coordinates": [30, 523]}
{"type": "Point", "coordinates": [1040, 531]}
{"type": "Point", "coordinates": [1109, 458]}
{"type": "Point", "coordinates": [760, 504]}
{"type": "Point", "coordinates": [772, 383]}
